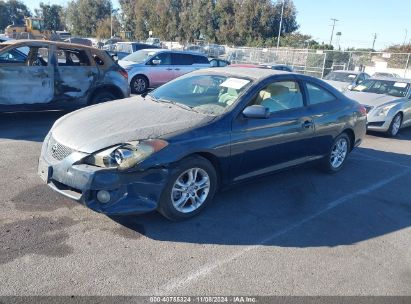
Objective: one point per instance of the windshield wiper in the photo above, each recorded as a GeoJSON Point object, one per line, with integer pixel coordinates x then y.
{"type": "Point", "coordinates": [181, 105]}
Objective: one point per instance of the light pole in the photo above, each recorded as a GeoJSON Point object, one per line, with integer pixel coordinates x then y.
{"type": "Point", "coordinates": [113, 11]}
{"type": "Point", "coordinates": [406, 35]}
{"type": "Point", "coordinates": [281, 24]}
{"type": "Point", "coordinates": [332, 32]}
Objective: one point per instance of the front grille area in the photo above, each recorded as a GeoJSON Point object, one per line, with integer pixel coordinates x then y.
{"type": "Point", "coordinates": [376, 123]}
{"type": "Point", "coordinates": [57, 150]}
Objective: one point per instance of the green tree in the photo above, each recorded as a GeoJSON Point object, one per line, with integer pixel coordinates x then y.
{"type": "Point", "coordinates": [83, 16]}
{"type": "Point", "coordinates": [12, 12]}
{"type": "Point", "coordinates": [51, 14]}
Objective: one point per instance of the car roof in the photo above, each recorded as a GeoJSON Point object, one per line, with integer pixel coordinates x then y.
{"type": "Point", "coordinates": [346, 72]}
{"type": "Point", "coordinates": [254, 73]}
{"type": "Point", "coordinates": [42, 42]}
{"type": "Point", "coordinates": [174, 51]}
{"type": "Point", "coordinates": [406, 80]}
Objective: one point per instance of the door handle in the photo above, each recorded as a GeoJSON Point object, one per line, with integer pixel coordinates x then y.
{"type": "Point", "coordinates": [169, 69]}
{"type": "Point", "coordinates": [177, 69]}
{"type": "Point", "coordinates": [308, 124]}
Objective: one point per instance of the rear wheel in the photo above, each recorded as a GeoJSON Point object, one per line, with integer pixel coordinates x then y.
{"type": "Point", "coordinates": [139, 84]}
{"type": "Point", "coordinates": [102, 96]}
{"type": "Point", "coordinates": [395, 125]}
{"type": "Point", "coordinates": [337, 156]}
{"type": "Point", "coordinates": [190, 188]}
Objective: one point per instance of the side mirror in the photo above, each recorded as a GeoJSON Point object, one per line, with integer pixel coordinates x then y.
{"type": "Point", "coordinates": [350, 87]}
{"type": "Point", "coordinates": [256, 111]}
{"type": "Point", "coordinates": [155, 61]}
{"type": "Point", "coordinates": [115, 57]}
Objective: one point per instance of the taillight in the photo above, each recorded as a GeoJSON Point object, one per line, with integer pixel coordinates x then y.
{"type": "Point", "coordinates": [123, 73]}
{"type": "Point", "coordinates": [363, 110]}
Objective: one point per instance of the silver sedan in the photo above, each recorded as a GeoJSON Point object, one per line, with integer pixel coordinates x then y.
{"type": "Point", "coordinates": [388, 103]}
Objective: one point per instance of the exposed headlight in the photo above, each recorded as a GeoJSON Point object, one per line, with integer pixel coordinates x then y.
{"type": "Point", "coordinates": [126, 156]}
{"type": "Point", "coordinates": [383, 111]}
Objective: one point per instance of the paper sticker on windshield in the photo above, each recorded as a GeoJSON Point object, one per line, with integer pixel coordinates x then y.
{"type": "Point", "coordinates": [400, 85]}
{"type": "Point", "coordinates": [360, 87]}
{"type": "Point", "coordinates": [352, 76]}
{"type": "Point", "coordinates": [234, 83]}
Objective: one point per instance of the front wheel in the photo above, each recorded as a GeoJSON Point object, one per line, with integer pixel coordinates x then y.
{"type": "Point", "coordinates": [395, 125]}
{"type": "Point", "coordinates": [190, 188]}
{"type": "Point", "coordinates": [337, 156]}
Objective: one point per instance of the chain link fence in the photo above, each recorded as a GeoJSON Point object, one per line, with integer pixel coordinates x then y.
{"type": "Point", "coordinates": [320, 63]}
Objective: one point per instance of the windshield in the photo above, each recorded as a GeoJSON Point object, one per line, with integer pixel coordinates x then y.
{"type": "Point", "coordinates": [139, 56]}
{"type": "Point", "coordinates": [342, 77]}
{"type": "Point", "coordinates": [392, 88]}
{"type": "Point", "coordinates": [207, 94]}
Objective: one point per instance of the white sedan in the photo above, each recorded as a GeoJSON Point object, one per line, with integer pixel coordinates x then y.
{"type": "Point", "coordinates": [387, 101]}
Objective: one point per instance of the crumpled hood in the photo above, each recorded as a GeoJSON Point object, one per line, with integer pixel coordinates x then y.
{"type": "Point", "coordinates": [97, 127]}
{"type": "Point", "coordinates": [370, 99]}
{"type": "Point", "coordinates": [339, 85]}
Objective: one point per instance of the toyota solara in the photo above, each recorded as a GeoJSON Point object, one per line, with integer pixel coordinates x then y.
{"type": "Point", "coordinates": [172, 149]}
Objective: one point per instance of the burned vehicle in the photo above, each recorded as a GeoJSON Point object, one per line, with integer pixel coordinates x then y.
{"type": "Point", "coordinates": [171, 149]}
{"type": "Point", "coordinates": [43, 75]}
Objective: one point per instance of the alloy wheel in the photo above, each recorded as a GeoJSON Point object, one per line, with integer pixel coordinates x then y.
{"type": "Point", "coordinates": [339, 152]}
{"type": "Point", "coordinates": [190, 190]}
{"type": "Point", "coordinates": [396, 125]}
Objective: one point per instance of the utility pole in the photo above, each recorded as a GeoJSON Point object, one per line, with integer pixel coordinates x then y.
{"type": "Point", "coordinates": [332, 32]}
{"type": "Point", "coordinates": [373, 43]}
{"type": "Point", "coordinates": [405, 38]}
{"type": "Point", "coordinates": [281, 24]}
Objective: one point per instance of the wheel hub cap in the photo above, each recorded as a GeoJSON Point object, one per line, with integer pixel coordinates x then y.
{"type": "Point", "coordinates": [190, 190]}
{"type": "Point", "coordinates": [339, 152]}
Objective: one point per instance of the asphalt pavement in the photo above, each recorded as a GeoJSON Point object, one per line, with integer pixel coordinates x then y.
{"type": "Point", "coordinates": [299, 232]}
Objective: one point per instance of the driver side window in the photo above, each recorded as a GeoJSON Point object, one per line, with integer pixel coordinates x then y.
{"type": "Point", "coordinates": [165, 59]}
{"type": "Point", "coordinates": [279, 96]}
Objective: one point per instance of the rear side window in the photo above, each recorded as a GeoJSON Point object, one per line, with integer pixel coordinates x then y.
{"type": "Point", "coordinates": [181, 59]}
{"type": "Point", "coordinates": [318, 95]}
{"type": "Point", "coordinates": [72, 57]}
{"type": "Point", "coordinates": [201, 59]}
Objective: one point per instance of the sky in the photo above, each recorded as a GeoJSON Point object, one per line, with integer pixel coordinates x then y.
{"type": "Point", "coordinates": [358, 21]}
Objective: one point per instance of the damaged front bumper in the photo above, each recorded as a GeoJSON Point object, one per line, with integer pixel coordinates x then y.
{"type": "Point", "coordinates": [128, 192]}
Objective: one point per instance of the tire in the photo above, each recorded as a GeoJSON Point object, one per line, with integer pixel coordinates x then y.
{"type": "Point", "coordinates": [139, 84]}
{"type": "Point", "coordinates": [102, 96]}
{"type": "Point", "coordinates": [177, 202]}
{"type": "Point", "coordinates": [395, 125]}
{"type": "Point", "coordinates": [337, 156]}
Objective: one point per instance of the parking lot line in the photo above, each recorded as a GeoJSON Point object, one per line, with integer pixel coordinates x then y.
{"type": "Point", "coordinates": [206, 269]}
{"type": "Point", "coordinates": [369, 157]}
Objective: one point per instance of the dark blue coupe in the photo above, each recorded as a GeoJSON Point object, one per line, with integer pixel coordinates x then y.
{"type": "Point", "coordinates": [172, 149]}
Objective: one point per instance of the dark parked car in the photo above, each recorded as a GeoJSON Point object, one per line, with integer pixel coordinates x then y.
{"type": "Point", "coordinates": [218, 63]}
{"type": "Point", "coordinates": [38, 75]}
{"type": "Point", "coordinates": [281, 67]}
{"type": "Point", "coordinates": [174, 148]}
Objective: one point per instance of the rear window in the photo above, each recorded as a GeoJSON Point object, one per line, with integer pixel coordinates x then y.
{"type": "Point", "coordinates": [200, 59]}
{"type": "Point", "coordinates": [181, 59]}
{"type": "Point", "coordinates": [72, 57]}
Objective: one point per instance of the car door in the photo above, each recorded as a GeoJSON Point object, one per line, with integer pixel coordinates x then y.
{"type": "Point", "coordinates": [283, 139]}
{"type": "Point", "coordinates": [26, 75]}
{"type": "Point", "coordinates": [160, 69]}
{"type": "Point", "coordinates": [182, 63]}
{"type": "Point", "coordinates": [325, 109]}
{"type": "Point", "coordinates": [75, 74]}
